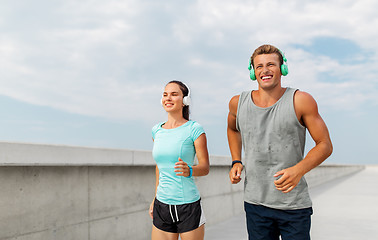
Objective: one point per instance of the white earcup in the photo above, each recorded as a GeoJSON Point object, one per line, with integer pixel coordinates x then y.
{"type": "Point", "coordinates": [186, 100]}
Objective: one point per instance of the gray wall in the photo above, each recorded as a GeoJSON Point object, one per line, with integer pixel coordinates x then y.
{"type": "Point", "coordinates": [65, 192]}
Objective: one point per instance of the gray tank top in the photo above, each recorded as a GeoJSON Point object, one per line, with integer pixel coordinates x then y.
{"type": "Point", "coordinates": [273, 139]}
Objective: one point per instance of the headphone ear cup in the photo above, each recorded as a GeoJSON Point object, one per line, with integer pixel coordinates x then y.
{"type": "Point", "coordinates": [284, 69]}
{"type": "Point", "coordinates": [252, 74]}
{"type": "Point", "coordinates": [251, 71]}
{"type": "Point", "coordinates": [186, 100]}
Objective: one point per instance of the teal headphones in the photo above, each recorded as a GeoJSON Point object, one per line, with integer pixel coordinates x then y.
{"type": "Point", "coordinates": [284, 68]}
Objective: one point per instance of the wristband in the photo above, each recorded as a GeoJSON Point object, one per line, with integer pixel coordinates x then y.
{"type": "Point", "coordinates": [236, 161]}
{"type": "Point", "coordinates": [190, 171]}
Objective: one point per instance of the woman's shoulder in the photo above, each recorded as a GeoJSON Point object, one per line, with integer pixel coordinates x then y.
{"type": "Point", "coordinates": [195, 126]}
{"type": "Point", "coordinates": [194, 123]}
{"type": "Point", "coordinates": [157, 126]}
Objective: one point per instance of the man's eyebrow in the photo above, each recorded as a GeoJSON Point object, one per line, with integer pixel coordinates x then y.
{"type": "Point", "coordinates": [260, 64]}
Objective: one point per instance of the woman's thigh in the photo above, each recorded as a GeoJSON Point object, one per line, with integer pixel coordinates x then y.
{"type": "Point", "coordinates": [196, 234]}
{"type": "Point", "coordinates": [158, 234]}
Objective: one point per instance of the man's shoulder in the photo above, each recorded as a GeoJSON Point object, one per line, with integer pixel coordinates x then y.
{"type": "Point", "coordinates": [304, 100]}
{"type": "Point", "coordinates": [235, 99]}
{"type": "Point", "coordinates": [233, 104]}
{"type": "Point", "coordinates": [303, 96]}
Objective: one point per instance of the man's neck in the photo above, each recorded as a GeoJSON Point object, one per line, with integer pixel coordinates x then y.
{"type": "Point", "coordinates": [266, 98]}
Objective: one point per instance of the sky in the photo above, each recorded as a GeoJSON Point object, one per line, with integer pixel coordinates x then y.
{"type": "Point", "coordinates": [91, 73]}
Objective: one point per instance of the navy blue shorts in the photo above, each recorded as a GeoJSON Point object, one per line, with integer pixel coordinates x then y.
{"type": "Point", "coordinates": [178, 218]}
{"type": "Point", "coordinates": [268, 224]}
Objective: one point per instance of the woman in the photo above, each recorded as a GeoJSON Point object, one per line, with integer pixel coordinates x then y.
{"type": "Point", "coordinates": [176, 209]}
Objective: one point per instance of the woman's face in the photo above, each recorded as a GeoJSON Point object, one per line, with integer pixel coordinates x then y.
{"type": "Point", "coordinates": [172, 98]}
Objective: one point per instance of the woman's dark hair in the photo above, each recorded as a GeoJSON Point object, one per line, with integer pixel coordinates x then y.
{"type": "Point", "coordinates": [185, 91]}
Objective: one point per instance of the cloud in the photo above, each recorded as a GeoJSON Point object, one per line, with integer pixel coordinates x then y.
{"type": "Point", "coordinates": [111, 58]}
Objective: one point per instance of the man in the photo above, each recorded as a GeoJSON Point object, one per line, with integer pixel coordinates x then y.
{"type": "Point", "coordinates": [270, 123]}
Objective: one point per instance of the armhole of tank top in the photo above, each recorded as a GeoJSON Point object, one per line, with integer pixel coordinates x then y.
{"type": "Point", "coordinates": [294, 113]}
{"type": "Point", "coordinates": [241, 100]}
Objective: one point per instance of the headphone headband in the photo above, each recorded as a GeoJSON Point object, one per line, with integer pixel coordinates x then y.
{"type": "Point", "coordinates": [187, 88]}
{"type": "Point", "coordinates": [186, 100]}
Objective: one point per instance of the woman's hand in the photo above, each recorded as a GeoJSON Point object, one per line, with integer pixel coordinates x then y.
{"type": "Point", "coordinates": [182, 168]}
{"type": "Point", "coordinates": [151, 210]}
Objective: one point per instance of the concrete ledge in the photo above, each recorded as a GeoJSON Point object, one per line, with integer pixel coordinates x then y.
{"type": "Point", "coordinates": [327, 172]}
{"type": "Point", "coordinates": [31, 154]}
{"type": "Point", "coordinates": [27, 154]}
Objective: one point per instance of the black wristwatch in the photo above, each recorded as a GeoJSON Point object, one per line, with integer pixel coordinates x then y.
{"type": "Point", "coordinates": [236, 161]}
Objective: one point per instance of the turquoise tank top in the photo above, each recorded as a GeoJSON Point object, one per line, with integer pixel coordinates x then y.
{"type": "Point", "coordinates": [169, 145]}
{"type": "Point", "coordinates": [273, 139]}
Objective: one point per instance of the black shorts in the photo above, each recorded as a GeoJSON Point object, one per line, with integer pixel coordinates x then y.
{"type": "Point", "coordinates": [268, 223]}
{"type": "Point", "coordinates": [178, 218]}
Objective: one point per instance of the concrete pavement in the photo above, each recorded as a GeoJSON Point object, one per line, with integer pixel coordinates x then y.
{"type": "Point", "coordinates": [346, 208]}
{"type": "Point", "coordinates": [232, 229]}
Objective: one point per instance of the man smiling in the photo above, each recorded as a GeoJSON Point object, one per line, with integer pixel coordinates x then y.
{"type": "Point", "coordinates": [270, 124]}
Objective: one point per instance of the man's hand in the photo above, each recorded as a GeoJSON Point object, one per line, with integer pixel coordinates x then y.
{"type": "Point", "coordinates": [289, 179]}
{"type": "Point", "coordinates": [235, 173]}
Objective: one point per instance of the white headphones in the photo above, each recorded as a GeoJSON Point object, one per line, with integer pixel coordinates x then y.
{"type": "Point", "coordinates": [186, 100]}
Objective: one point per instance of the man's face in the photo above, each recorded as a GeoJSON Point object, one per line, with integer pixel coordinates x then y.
{"type": "Point", "coordinates": [268, 70]}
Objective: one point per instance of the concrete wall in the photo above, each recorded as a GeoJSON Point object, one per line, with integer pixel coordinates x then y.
{"type": "Point", "coordinates": [65, 192]}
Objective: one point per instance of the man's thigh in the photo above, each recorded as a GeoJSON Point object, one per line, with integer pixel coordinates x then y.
{"type": "Point", "coordinates": [295, 224]}
{"type": "Point", "coordinates": [260, 224]}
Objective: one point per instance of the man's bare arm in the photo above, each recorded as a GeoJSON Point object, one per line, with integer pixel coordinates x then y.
{"type": "Point", "coordinates": [234, 140]}
{"type": "Point", "coordinates": [307, 109]}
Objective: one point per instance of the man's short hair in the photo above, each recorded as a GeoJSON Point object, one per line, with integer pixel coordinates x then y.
{"type": "Point", "coordinates": [267, 49]}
